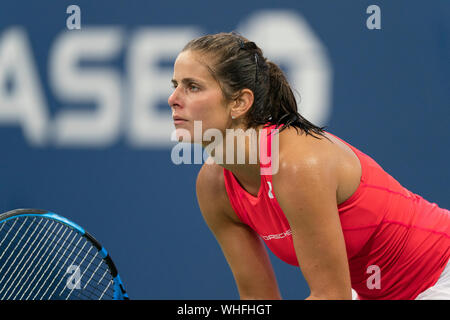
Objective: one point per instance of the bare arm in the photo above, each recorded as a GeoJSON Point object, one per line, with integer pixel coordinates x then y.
{"type": "Point", "coordinates": [241, 246]}
{"type": "Point", "coordinates": [306, 191]}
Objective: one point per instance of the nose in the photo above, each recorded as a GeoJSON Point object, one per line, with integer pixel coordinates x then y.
{"type": "Point", "coordinates": [174, 99]}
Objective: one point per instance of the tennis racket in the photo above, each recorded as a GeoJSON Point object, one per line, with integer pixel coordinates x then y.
{"type": "Point", "coordinates": [44, 256]}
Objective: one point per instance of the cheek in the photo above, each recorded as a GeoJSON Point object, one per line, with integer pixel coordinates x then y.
{"type": "Point", "coordinates": [209, 109]}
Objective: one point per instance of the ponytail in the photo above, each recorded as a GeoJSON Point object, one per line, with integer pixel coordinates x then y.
{"type": "Point", "coordinates": [282, 104]}
{"type": "Point", "coordinates": [237, 63]}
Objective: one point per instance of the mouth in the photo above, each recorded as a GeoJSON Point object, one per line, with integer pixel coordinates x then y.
{"type": "Point", "coordinates": [179, 120]}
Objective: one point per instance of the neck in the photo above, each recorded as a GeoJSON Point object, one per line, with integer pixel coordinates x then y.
{"type": "Point", "coordinates": [239, 152]}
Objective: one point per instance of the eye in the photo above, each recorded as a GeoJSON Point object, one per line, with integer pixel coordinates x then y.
{"type": "Point", "coordinates": [193, 87]}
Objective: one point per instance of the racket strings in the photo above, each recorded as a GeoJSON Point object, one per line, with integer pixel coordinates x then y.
{"type": "Point", "coordinates": [22, 297]}
{"type": "Point", "coordinates": [54, 233]}
{"type": "Point", "coordinates": [43, 262]}
{"type": "Point", "coordinates": [35, 255]}
{"type": "Point", "coordinates": [81, 250]}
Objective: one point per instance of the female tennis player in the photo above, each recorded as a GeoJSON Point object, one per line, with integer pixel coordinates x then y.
{"type": "Point", "coordinates": [328, 207]}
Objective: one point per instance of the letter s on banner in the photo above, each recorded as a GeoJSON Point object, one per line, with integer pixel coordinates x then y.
{"type": "Point", "coordinates": [100, 85]}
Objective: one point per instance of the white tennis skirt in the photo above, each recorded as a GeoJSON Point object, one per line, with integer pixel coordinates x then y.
{"type": "Point", "coordinates": [440, 290]}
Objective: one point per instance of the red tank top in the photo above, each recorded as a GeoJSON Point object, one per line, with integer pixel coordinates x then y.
{"type": "Point", "coordinates": [387, 229]}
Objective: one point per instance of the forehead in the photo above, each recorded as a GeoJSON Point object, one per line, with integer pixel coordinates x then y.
{"type": "Point", "coordinates": [193, 65]}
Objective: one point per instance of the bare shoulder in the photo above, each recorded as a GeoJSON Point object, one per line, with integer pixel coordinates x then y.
{"type": "Point", "coordinates": [300, 151]}
{"type": "Point", "coordinates": [210, 180]}
{"type": "Point", "coordinates": [321, 157]}
{"type": "Point", "coordinates": [304, 163]}
{"type": "Point", "coordinates": [211, 192]}
{"type": "Point", "coordinates": [294, 139]}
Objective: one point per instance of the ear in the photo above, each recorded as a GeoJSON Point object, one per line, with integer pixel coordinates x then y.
{"type": "Point", "coordinates": [242, 103]}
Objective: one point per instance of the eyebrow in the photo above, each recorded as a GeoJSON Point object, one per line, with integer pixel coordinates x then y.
{"type": "Point", "coordinates": [186, 81]}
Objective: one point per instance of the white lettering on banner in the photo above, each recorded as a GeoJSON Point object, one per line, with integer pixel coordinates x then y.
{"type": "Point", "coordinates": [24, 104]}
{"type": "Point", "coordinates": [99, 84]}
{"type": "Point", "coordinates": [127, 105]}
{"type": "Point", "coordinates": [278, 236]}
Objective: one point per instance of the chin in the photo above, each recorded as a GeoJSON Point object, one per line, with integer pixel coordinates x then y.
{"type": "Point", "coordinates": [186, 135]}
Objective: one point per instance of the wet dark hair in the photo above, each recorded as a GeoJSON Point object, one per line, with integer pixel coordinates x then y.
{"type": "Point", "coordinates": [237, 63]}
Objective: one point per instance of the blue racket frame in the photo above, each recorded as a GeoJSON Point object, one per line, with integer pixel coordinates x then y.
{"type": "Point", "coordinates": [119, 291]}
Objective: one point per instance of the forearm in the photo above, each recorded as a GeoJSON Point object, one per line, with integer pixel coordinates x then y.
{"type": "Point", "coordinates": [260, 296]}
{"type": "Point", "coordinates": [330, 297]}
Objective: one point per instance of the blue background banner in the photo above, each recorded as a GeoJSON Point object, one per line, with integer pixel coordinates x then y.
{"type": "Point", "coordinates": [85, 125]}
